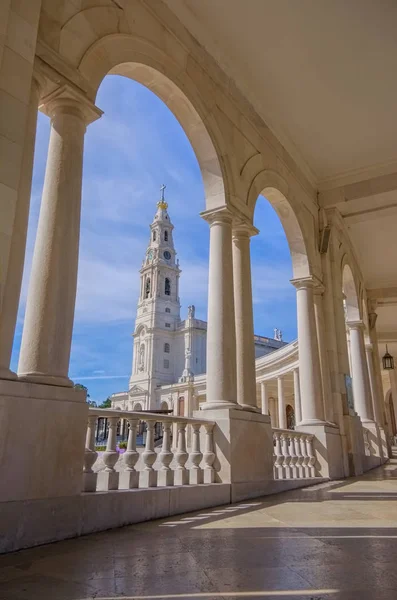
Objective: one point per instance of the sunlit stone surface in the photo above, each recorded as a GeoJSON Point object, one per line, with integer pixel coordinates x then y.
{"type": "Point", "coordinates": [333, 541]}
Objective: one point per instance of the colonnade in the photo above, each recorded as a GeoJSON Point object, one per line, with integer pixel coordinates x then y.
{"type": "Point", "coordinates": [46, 341]}
{"type": "Point", "coordinates": [276, 405]}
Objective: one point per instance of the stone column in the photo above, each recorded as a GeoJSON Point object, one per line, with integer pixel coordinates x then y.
{"type": "Point", "coordinates": [221, 336]}
{"type": "Point", "coordinates": [47, 333]}
{"type": "Point", "coordinates": [373, 337]}
{"type": "Point", "coordinates": [322, 352]}
{"type": "Point", "coordinates": [264, 399]}
{"type": "Point", "coordinates": [282, 416]}
{"type": "Point", "coordinates": [372, 384]}
{"type": "Point", "coordinates": [360, 377]}
{"type": "Point", "coordinates": [309, 362]}
{"type": "Point", "coordinates": [12, 288]}
{"type": "Point", "coordinates": [297, 398]}
{"type": "Point", "coordinates": [245, 346]}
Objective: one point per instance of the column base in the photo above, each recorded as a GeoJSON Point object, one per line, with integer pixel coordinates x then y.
{"type": "Point", "coordinates": [243, 445]}
{"type": "Point", "coordinates": [42, 455]}
{"type": "Point", "coordinates": [7, 374]}
{"type": "Point", "coordinates": [45, 379]}
{"type": "Point", "coordinates": [327, 445]}
{"type": "Point", "coordinates": [374, 450]}
{"type": "Point", "coordinates": [220, 405]}
{"type": "Point", "coordinates": [251, 408]}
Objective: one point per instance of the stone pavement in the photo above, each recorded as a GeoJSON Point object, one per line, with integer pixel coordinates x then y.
{"type": "Point", "coordinates": [334, 541]}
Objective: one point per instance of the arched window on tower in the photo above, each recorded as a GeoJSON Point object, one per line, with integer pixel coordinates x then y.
{"type": "Point", "coordinates": [147, 288]}
{"type": "Point", "coordinates": [166, 236]}
{"type": "Point", "coordinates": [167, 348]}
{"type": "Point", "coordinates": [167, 287]}
{"type": "Point", "coordinates": [154, 236]}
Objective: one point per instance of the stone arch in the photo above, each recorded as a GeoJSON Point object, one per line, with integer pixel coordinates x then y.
{"type": "Point", "coordinates": [164, 405]}
{"type": "Point", "coordinates": [140, 60]}
{"type": "Point", "coordinates": [351, 296]}
{"type": "Point", "coordinates": [138, 407]}
{"type": "Point", "coordinates": [275, 189]}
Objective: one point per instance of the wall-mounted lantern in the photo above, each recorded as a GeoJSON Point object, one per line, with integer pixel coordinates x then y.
{"type": "Point", "coordinates": [388, 361]}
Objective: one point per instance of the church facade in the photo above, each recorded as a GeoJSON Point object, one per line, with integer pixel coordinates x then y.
{"type": "Point", "coordinates": [169, 353]}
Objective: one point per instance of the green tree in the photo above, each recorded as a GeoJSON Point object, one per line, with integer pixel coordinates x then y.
{"type": "Point", "coordinates": [80, 386]}
{"type": "Point", "coordinates": [106, 403]}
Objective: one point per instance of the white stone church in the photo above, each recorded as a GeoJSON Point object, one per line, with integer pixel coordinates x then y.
{"type": "Point", "coordinates": [169, 353]}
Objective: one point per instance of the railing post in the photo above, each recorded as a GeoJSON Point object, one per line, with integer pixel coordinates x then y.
{"type": "Point", "coordinates": [109, 478]}
{"type": "Point", "coordinates": [294, 457]}
{"type": "Point", "coordinates": [165, 474]}
{"type": "Point", "coordinates": [181, 475]}
{"type": "Point", "coordinates": [209, 454]}
{"type": "Point", "coordinates": [312, 456]}
{"type": "Point", "coordinates": [279, 455]}
{"type": "Point", "coordinates": [148, 477]}
{"type": "Point", "coordinates": [196, 473]}
{"type": "Point", "coordinates": [287, 458]}
{"type": "Point", "coordinates": [129, 478]}
{"type": "Point", "coordinates": [90, 456]}
{"type": "Point", "coordinates": [306, 458]}
{"type": "Point", "coordinates": [298, 452]}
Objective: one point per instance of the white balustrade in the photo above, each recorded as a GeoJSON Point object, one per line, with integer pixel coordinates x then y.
{"type": "Point", "coordinates": [148, 477]}
{"type": "Point", "coordinates": [209, 454]}
{"type": "Point", "coordinates": [294, 456]}
{"type": "Point", "coordinates": [148, 469]}
{"type": "Point", "coordinates": [90, 456]}
{"type": "Point", "coordinates": [196, 473]}
{"type": "Point", "coordinates": [181, 476]}
{"type": "Point", "coordinates": [109, 478]}
{"type": "Point", "coordinates": [129, 478]}
{"type": "Point", "coordinates": [166, 475]}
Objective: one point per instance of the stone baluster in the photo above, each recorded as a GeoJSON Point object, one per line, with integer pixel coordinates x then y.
{"type": "Point", "coordinates": [306, 458]}
{"type": "Point", "coordinates": [286, 455]}
{"type": "Point", "coordinates": [90, 456]}
{"type": "Point", "coordinates": [196, 472]}
{"type": "Point", "coordinates": [165, 474]}
{"type": "Point", "coordinates": [109, 478]}
{"type": "Point", "coordinates": [209, 454]}
{"type": "Point", "coordinates": [312, 456]}
{"type": "Point", "coordinates": [148, 476]}
{"type": "Point", "coordinates": [278, 463]}
{"type": "Point", "coordinates": [294, 456]}
{"type": "Point", "coordinates": [181, 475]}
{"type": "Point", "coordinates": [129, 478]}
{"type": "Point", "coordinates": [298, 452]}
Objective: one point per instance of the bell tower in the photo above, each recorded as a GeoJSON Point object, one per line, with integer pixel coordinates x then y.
{"type": "Point", "coordinates": [158, 311]}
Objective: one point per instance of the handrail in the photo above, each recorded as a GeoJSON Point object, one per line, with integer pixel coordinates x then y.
{"type": "Point", "coordinates": [145, 416]}
{"type": "Point", "coordinates": [292, 431]}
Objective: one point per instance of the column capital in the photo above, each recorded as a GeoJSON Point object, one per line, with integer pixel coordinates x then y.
{"type": "Point", "coordinates": [243, 229]}
{"type": "Point", "coordinates": [67, 99]}
{"type": "Point", "coordinates": [355, 325]}
{"type": "Point", "coordinates": [369, 347]}
{"type": "Point", "coordinates": [311, 281]}
{"type": "Point", "coordinates": [217, 215]}
{"type": "Point", "coordinates": [372, 318]}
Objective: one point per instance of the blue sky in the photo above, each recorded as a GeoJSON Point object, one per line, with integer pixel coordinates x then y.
{"type": "Point", "coordinates": [135, 147]}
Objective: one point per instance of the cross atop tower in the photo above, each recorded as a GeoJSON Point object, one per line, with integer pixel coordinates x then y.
{"type": "Point", "coordinates": [162, 204]}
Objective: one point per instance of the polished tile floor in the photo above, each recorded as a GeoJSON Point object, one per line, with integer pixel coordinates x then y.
{"type": "Point", "coordinates": [332, 541]}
